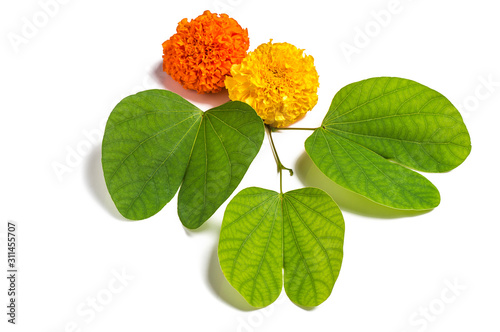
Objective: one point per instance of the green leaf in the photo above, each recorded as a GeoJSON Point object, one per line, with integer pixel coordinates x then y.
{"type": "Point", "coordinates": [376, 127]}
{"type": "Point", "coordinates": [264, 232]}
{"type": "Point", "coordinates": [401, 120]}
{"type": "Point", "coordinates": [229, 138]}
{"type": "Point", "coordinates": [250, 245]}
{"type": "Point", "coordinates": [363, 171]}
{"type": "Point", "coordinates": [146, 148]}
{"type": "Point", "coordinates": [313, 241]}
{"type": "Point", "coordinates": [155, 139]}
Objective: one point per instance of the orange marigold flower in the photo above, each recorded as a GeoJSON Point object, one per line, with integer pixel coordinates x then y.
{"type": "Point", "coordinates": [278, 80]}
{"type": "Point", "coordinates": [201, 53]}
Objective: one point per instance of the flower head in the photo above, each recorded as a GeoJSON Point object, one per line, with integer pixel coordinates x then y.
{"type": "Point", "coordinates": [201, 53]}
{"type": "Point", "coordinates": [278, 81]}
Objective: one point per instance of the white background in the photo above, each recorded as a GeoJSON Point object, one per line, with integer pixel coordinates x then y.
{"type": "Point", "coordinates": [63, 80]}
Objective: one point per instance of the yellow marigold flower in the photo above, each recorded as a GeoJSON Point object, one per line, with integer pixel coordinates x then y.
{"type": "Point", "coordinates": [201, 53]}
{"type": "Point", "coordinates": [278, 81]}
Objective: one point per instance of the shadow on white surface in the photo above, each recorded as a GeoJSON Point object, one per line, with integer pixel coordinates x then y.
{"type": "Point", "coordinates": [208, 227]}
{"type": "Point", "coordinates": [310, 175]}
{"type": "Point", "coordinates": [204, 101]}
{"type": "Point", "coordinates": [221, 287]}
{"type": "Point", "coordinates": [96, 184]}
{"type": "Point", "coordinates": [215, 280]}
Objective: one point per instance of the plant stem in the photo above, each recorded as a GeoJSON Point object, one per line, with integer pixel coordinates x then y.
{"type": "Point", "coordinates": [280, 166]}
{"type": "Point", "coordinates": [278, 129]}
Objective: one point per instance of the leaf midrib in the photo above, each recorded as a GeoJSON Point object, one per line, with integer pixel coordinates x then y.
{"type": "Point", "coordinates": [249, 234]}
{"type": "Point", "coordinates": [292, 230]}
{"type": "Point", "coordinates": [156, 170]}
{"type": "Point", "coordinates": [397, 139]}
{"type": "Point", "coordinates": [354, 145]}
{"type": "Point", "coordinates": [288, 197]}
{"type": "Point", "coordinates": [149, 138]}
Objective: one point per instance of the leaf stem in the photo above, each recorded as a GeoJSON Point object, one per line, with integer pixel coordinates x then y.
{"type": "Point", "coordinates": [280, 166]}
{"type": "Point", "coordinates": [288, 128]}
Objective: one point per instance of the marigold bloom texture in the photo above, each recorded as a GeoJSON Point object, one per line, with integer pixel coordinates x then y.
{"type": "Point", "coordinates": [201, 53]}
{"type": "Point", "coordinates": [278, 81]}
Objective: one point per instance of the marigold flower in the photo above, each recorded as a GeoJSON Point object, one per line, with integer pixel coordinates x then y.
{"type": "Point", "coordinates": [201, 53]}
{"type": "Point", "coordinates": [278, 81]}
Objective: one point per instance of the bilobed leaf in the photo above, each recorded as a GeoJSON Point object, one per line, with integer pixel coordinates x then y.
{"type": "Point", "coordinates": [376, 127]}
{"type": "Point", "coordinates": [146, 148]}
{"type": "Point", "coordinates": [155, 139]}
{"type": "Point", "coordinates": [229, 138]}
{"type": "Point", "coordinates": [264, 232]}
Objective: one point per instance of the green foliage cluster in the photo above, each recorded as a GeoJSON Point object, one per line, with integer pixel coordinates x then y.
{"type": "Point", "coordinates": [375, 136]}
